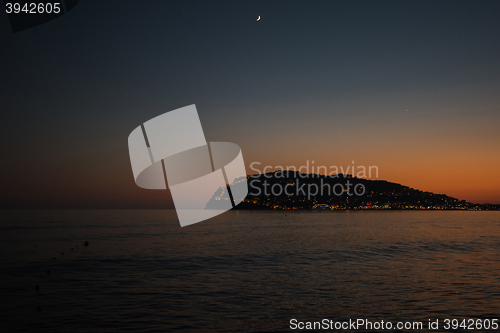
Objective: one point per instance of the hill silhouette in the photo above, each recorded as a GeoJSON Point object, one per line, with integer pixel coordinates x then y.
{"type": "Point", "coordinates": [295, 190]}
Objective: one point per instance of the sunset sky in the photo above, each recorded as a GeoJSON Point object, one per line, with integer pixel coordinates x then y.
{"type": "Point", "coordinates": [412, 87]}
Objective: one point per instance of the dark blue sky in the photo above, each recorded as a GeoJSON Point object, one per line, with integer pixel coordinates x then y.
{"type": "Point", "coordinates": [328, 81]}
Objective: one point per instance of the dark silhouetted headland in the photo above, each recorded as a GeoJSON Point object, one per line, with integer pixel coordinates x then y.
{"type": "Point", "coordinates": [295, 190]}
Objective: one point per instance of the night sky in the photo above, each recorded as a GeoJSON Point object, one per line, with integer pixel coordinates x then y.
{"type": "Point", "coordinates": [412, 87]}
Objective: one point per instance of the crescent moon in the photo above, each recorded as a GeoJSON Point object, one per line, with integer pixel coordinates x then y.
{"type": "Point", "coordinates": [258, 18]}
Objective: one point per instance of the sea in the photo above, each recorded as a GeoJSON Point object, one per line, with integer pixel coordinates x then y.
{"type": "Point", "coordinates": [249, 271]}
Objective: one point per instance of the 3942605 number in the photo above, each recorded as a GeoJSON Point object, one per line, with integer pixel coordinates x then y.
{"type": "Point", "coordinates": [33, 8]}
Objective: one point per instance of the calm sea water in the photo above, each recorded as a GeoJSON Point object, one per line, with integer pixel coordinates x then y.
{"type": "Point", "coordinates": [243, 271]}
